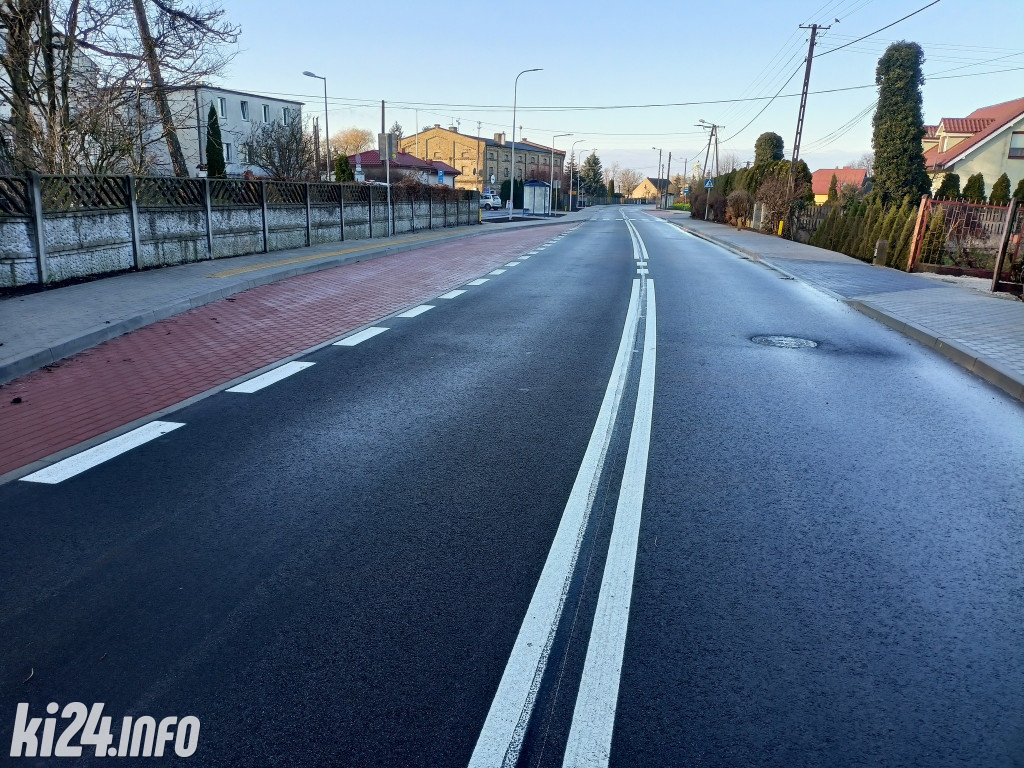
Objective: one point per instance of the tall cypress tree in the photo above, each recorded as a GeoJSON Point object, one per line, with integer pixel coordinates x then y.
{"type": "Point", "coordinates": [215, 167]}
{"type": "Point", "coordinates": [899, 124]}
{"type": "Point", "coordinates": [833, 189]}
{"type": "Point", "coordinates": [949, 189]}
{"type": "Point", "coordinates": [974, 189]}
{"type": "Point", "coordinates": [1018, 193]}
{"type": "Point", "coordinates": [768, 148]}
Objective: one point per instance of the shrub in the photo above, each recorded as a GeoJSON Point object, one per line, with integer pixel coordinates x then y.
{"type": "Point", "coordinates": [974, 189]}
{"type": "Point", "coordinates": [1018, 193]}
{"type": "Point", "coordinates": [680, 206]}
{"type": "Point", "coordinates": [739, 206]}
{"type": "Point", "coordinates": [1000, 191]}
{"type": "Point", "coordinates": [949, 189]}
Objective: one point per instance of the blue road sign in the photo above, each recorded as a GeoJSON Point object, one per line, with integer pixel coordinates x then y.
{"type": "Point", "coordinates": [686, 189]}
{"type": "Point", "coordinates": [709, 184]}
{"type": "Point", "coordinates": [440, 176]}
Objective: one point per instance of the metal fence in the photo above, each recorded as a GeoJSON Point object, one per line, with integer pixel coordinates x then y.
{"type": "Point", "coordinates": [280, 211]}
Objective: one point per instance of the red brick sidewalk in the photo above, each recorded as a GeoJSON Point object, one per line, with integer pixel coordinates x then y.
{"type": "Point", "coordinates": [162, 364]}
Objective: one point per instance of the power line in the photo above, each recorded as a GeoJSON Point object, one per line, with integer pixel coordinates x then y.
{"type": "Point", "coordinates": [870, 34]}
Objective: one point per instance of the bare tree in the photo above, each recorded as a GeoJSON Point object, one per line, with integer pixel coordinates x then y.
{"type": "Point", "coordinates": [283, 151]}
{"type": "Point", "coordinates": [866, 161]}
{"type": "Point", "coordinates": [351, 141]}
{"type": "Point", "coordinates": [728, 162]}
{"type": "Point", "coordinates": [396, 129]}
{"type": "Point", "coordinates": [628, 180]}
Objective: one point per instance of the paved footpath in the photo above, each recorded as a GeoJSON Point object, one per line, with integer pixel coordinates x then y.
{"type": "Point", "coordinates": [983, 333]}
{"type": "Point", "coordinates": [40, 328]}
{"type": "Point", "coordinates": [137, 374]}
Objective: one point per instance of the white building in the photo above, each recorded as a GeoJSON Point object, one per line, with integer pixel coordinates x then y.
{"type": "Point", "coordinates": [237, 112]}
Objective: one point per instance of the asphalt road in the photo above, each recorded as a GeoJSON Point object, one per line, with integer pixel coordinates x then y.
{"type": "Point", "coordinates": [335, 570]}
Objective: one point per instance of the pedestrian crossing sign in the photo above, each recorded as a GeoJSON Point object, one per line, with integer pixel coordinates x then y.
{"type": "Point", "coordinates": [709, 184]}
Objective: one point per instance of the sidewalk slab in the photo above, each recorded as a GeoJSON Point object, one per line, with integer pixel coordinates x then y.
{"type": "Point", "coordinates": [982, 333]}
{"type": "Point", "coordinates": [108, 389]}
{"type": "Point", "coordinates": [38, 329]}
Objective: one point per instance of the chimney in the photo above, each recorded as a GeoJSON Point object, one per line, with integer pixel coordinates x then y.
{"type": "Point", "coordinates": [500, 138]}
{"type": "Point", "coordinates": [453, 129]}
{"type": "Point", "coordinates": [437, 125]}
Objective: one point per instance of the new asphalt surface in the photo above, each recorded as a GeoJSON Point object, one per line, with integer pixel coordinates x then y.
{"type": "Point", "coordinates": [333, 570]}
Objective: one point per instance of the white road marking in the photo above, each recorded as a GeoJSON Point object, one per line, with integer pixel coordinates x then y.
{"type": "Point", "coordinates": [590, 736]}
{"type": "Point", "coordinates": [497, 272]}
{"type": "Point", "coordinates": [451, 294]}
{"type": "Point", "coordinates": [73, 465]}
{"type": "Point", "coordinates": [270, 377]}
{"type": "Point", "coordinates": [524, 257]}
{"type": "Point", "coordinates": [416, 310]}
{"type": "Point", "coordinates": [358, 338]}
{"type": "Point", "coordinates": [512, 264]}
{"type": "Point", "coordinates": [641, 272]}
{"type": "Point", "coordinates": [478, 281]}
{"type": "Point", "coordinates": [641, 263]}
{"type": "Point", "coordinates": [501, 738]}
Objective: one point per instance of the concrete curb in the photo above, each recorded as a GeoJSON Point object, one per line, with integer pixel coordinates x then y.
{"type": "Point", "coordinates": [91, 337]}
{"type": "Point", "coordinates": [990, 370]}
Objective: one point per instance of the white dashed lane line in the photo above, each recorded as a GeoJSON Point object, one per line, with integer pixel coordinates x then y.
{"type": "Point", "coordinates": [416, 310]}
{"type": "Point", "coordinates": [270, 377]}
{"type": "Point", "coordinates": [451, 294]}
{"type": "Point", "coordinates": [478, 281]}
{"type": "Point", "coordinates": [497, 272]}
{"type": "Point", "coordinates": [357, 338]}
{"type": "Point", "coordinates": [73, 465]}
{"type": "Point", "coordinates": [512, 264]}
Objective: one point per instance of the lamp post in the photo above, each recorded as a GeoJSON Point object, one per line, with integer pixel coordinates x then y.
{"type": "Point", "coordinates": [659, 170]}
{"type": "Point", "coordinates": [551, 205]}
{"type": "Point", "coordinates": [572, 154]}
{"type": "Point", "coordinates": [512, 185]}
{"type": "Point", "coordinates": [327, 127]}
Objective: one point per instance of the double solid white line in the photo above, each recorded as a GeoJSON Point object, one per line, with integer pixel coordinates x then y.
{"type": "Point", "coordinates": [501, 737]}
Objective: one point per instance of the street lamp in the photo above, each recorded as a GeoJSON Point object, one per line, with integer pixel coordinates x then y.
{"type": "Point", "coordinates": [659, 170]}
{"type": "Point", "coordinates": [572, 154]}
{"type": "Point", "coordinates": [512, 184]}
{"type": "Point", "coordinates": [327, 127]}
{"type": "Point", "coordinates": [551, 205]}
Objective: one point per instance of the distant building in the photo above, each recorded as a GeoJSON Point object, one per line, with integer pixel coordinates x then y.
{"type": "Point", "coordinates": [989, 141]}
{"type": "Point", "coordinates": [822, 179]}
{"type": "Point", "coordinates": [237, 112]}
{"type": "Point", "coordinates": [478, 160]}
{"type": "Point", "coordinates": [404, 165]}
{"type": "Point", "coordinates": [650, 189]}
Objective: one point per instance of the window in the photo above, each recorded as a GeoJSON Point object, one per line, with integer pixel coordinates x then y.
{"type": "Point", "coordinates": [1017, 144]}
{"type": "Point", "coordinates": [222, 108]}
{"type": "Point", "coordinates": [286, 116]}
{"type": "Point", "coordinates": [245, 110]}
{"type": "Point", "coordinates": [490, 155]}
{"type": "Point", "coordinates": [506, 173]}
{"type": "Point", "coordinates": [266, 113]}
{"type": "Point", "coordinates": [227, 153]}
{"type": "Point", "coordinates": [545, 160]}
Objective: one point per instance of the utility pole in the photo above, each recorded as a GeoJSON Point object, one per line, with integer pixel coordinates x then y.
{"type": "Point", "coordinates": [803, 103]}
{"type": "Point", "coordinates": [668, 177]}
{"type": "Point", "coordinates": [387, 165]}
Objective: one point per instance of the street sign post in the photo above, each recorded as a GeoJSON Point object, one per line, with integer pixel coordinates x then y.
{"type": "Point", "coordinates": [709, 184]}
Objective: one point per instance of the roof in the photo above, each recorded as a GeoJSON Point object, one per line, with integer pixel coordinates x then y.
{"type": "Point", "coordinates": [964, 124]}
{"type": "Point", "coordinates": [989, 121]}
{"type": "Point", "coordinates": [535, 145]}
{"type": "Point", "coordinates": [437, 165]}
{"type": "Point", "coordinates": [821, 179]}
{"type": "Point", "coordinates": [930, 131]}
{"type": "Point", "coordinates": [205, 87]}
{"type": "Point", "coordinates": [402, 160]}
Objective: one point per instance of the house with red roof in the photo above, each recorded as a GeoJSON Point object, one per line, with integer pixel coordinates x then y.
{"type": "Point", "coordinates": [989, 141]}
{"type": "Point", "coordinates": [427, 171]}
{"type": "Point", "coordinates": [822, 179]}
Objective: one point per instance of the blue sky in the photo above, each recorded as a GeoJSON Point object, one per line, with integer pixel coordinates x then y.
{"type": "Point", "coordinates": [613, 54]}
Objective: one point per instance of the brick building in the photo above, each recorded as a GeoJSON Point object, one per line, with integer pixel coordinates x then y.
{"type": "Point", "coordinates": [478, 159]}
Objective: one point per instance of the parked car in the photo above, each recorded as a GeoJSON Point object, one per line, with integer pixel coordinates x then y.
{"type": "Point", "coordinates": [490, 202]}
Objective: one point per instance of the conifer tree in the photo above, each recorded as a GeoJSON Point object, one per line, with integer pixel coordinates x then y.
{"type": "Point", "coordinates": [833, 189]}
{"type": "Point", "coordinates": [949, 189]}
{"type": "Point", "coordinates": [343, 169]}
{"type": "Point", "coordinates": [1018, 193]}
{"type": "Point", "coordinates": [215, 167]}
{"type": "Point", "coordinates": [1000, 191]}
{"type": "Point", "coordinates": [974, 189]}
{"type": "Point", "coordinates": [899, 124]}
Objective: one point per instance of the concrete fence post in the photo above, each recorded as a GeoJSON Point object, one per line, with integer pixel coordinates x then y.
{"type": "Point", "coordinates": [266, 226]}
{"type": "Point", "coordinates": [412, 213]}
{"type": "Point", "coordinates": [341, 207]}
{"type": "Point", "coordinates": [1004, 242]}
{"type": "Point", "coordinates": [35, 194]}
{"type": "Point", "coordinates": [881, 253]}
{"type": "Point", "coordinates": [430, 209]}
{"type": "Point", "coordinates": [309, 216]}
{"type": "Point", "coordinates": [207, 202]}
{"type": "Point", "coordinates": [133, 216]}
{"type": "Point", "coordinates": [369, 210]}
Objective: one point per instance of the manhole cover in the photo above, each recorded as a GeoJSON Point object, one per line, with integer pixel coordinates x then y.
{"type": "Point", "coordinates": [789, 342]}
